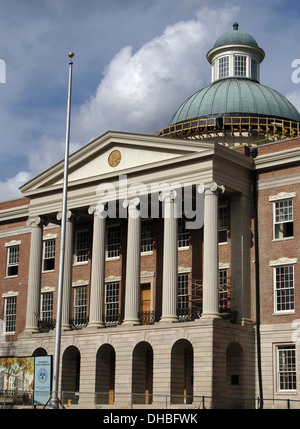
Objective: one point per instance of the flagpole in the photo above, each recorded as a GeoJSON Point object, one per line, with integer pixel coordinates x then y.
{"type": "Point", "coordinates": [54, 401]}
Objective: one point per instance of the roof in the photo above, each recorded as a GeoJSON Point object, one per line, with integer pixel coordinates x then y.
{"type": "Point", "coordinates": [235, 37]}
{"type": "Point", "coordinates": [236, 96]}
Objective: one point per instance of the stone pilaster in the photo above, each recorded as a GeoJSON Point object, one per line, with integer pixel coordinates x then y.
{"type": "Point", "coordinates": [34, 278]}
{"type": "Point", "coordinates": [133, 262]}
{"type": "Point", "coordinates": [170, 259]}
{"type": "Point", "coordinates": [98, 270]}
{"type": "Point", "coordinates": [211, 252]}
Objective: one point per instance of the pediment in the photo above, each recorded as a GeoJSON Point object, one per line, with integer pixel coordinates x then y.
{"type": "Point", "coordinates": [114, 154]}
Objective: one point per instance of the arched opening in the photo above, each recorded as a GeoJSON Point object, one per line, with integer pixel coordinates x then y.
{"type": "Point", "coordinates": [105, 374]}
{"type": "Point", "coordinates": [39, 352]}
{"type": "Point", "coordinates": [235, 376]}
{"type": "Point", "coordinates": [142, 373]}
{"type": "Point", "coordinates": [70, 381]}
{"type": "Point", "coordinates": [182, 370]}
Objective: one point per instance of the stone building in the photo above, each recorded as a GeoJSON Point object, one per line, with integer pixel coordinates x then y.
{"type": "Point", "coordinates": [181, 252]}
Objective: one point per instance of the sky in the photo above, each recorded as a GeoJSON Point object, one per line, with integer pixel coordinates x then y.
{"type": "Point", "coordinates": [136, 62]}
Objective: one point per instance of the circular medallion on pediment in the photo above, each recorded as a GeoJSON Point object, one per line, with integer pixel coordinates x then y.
{"type": "Point", "coordinates": [114, 158]}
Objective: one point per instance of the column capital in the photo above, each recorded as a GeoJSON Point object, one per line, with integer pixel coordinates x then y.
{"type": "Point", "coordinates": [214, 188]}
{"type": "Point", "coordinates": [98, 210]}
{"type": "Point", "coordinates": [69, 215]}
{"type": "Point", "coordinates": [131, 203]}
{"type": "Point", "coordinates": [36, 221]}
{"type": "Point", "coordinates": [167, 195]}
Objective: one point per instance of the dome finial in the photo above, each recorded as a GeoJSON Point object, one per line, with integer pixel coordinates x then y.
{"type": "Point", "coordinates": [235, 26]}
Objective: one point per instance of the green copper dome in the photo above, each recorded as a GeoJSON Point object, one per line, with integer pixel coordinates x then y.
{"type": "Point", "coordinates": [236, 96]}
{"type": "Point", "coordinates": [235, 37]}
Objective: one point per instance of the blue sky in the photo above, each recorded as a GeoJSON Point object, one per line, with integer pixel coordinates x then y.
{"type": "Point", "coordinates": [135, 62]}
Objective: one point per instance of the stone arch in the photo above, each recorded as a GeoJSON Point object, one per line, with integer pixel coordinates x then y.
{"type": "Point", "coordinates": [182, 372]}
{"type": "Point", "coordinates": [105, 374]}
{"type": "Point", "coordinates": [142, 373]}
{"type": "Point", "coordinates": [70, 380]}
{"type": "Point", "coordinates": [40, 351]}
{"type": "Point", "coordinates": [235, 375]}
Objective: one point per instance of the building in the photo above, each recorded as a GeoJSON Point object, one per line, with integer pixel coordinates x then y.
{"type": "Point", "coordinates": [181, 254]}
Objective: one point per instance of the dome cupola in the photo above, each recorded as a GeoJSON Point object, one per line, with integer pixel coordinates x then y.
{"type": "Point", "coordinates": [235, 108]}
{"type": "Point", "coordinates": [235, 54]}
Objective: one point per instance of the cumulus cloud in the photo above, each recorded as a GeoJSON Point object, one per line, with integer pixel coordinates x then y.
{"type": "Point", "coordinates": [141, 90]}
{"type": "Point", "coordinates": [9, 189]}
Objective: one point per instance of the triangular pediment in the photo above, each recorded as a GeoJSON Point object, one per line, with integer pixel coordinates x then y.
{"type": "Point", "coordinates": [114, 154]}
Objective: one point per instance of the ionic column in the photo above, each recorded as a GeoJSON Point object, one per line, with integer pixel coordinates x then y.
{"type": "Point", "coordinates": [67, 279]}
{"type": "Point", "coordinates": [34, 277]}
{"type": "Point", "coordinates": [170, 259]}
{"type": "Point", "coordinates": [132, 291]}
{"type": "Point", "coordinates": [211, 252]}
{"type": "Point", "coordinates": [98, 269]}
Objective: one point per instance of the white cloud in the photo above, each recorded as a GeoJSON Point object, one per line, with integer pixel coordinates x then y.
{"type": "Point", "coordinates": [10, 188]}
{"type": "Point", "coordinates": [140, 91]}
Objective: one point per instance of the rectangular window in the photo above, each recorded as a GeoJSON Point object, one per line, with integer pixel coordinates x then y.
{"type": "Point", "coordinates": [254, 68]}
{"type": "Point", "coordinates": [10, 314]}
{"type": "Point", "coordinates": [223, 290]}
{"type": "Point", "coordinates": [113, 242]}
{"type": "Point", "coordinates": [47, 306]}
{"type": "Point", "coordinates": [283, 219]}
{"type": "Point", "coordinates": [183, 292]}
{"type": "Point", "coordinates": [147, 236]}
{"type": "Point", "coordinates": [48, 255]}
{"type": "Point", "coordinates": [81, 247]}
{"type": "Point", "coordinates": [12, 261]}
{"type": "Point", "coordinates": [240, 68]}
{"type": "Point", "coordinates": [80, 304]}
{"type": "Point", "coordinates": [286, 368]}
{"type": "Point", "coordinates": [223, 224]}
{"type": "Point", "coordinates": [111, 302]}
{"type": "Point", "coordinates": [183, 234]}
{"type": "Point", "coordinates": [284, 288]}
{"type": "Point", "coordinates": [223, 67]}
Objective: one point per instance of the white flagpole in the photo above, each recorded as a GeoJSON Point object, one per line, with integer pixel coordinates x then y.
{"type": "Point", "coordinates": [54, 402]}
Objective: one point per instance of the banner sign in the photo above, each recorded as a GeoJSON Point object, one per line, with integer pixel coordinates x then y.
{"type": "Point", "coordinates": [42, 379]}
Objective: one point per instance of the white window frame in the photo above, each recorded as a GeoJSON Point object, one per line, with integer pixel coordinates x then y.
{"type": "Point", "coordinates": [184, 303]}
{"type": "Point", "coordinates": [277, 199]}
{"type": "Point", "coordinates": [276, 290]}
{"type": "Point", "coordinates": [80, 305]}
{"type": "Point", "coordinates": [77, 258]}
{"type": "Point", "coordinates": [242, 65]}
{"type": "Point", "coordinates": [48, 255]}
{"type": "Point", "coordinates": [9, 298]}
{"type": "Point", "coordinates": [223, 217]}
{"type": "Point", "coordinates": [224, 66]}
{"type": "Point", "coordinates": [111, 304]}
{"type": "Point", "coordinates": [45, 314]}
{"type": "Point", "coordinates": [12, 264]}
{"type": "Point", "coordinates": [116, 252]}
{"type": "Point", "coordinates": [290, 370]}
{"type": "Point", "coordinates": [147, 239]}
{"type": "Point", "coordinates": [183, 235]}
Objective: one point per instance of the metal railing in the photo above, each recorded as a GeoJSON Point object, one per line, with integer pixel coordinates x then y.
{"type": "Point", "coordinates": [132, 400]}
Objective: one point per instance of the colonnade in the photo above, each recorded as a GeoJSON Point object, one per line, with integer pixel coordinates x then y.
{"type": "Point", "coordinates": [169, 293]}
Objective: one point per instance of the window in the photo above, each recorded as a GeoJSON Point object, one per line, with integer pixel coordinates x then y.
{"type": "Point", "coordinates": [223, 224]}
{"type": "Point", "coordinates": [254, 68]}
{"type": "Point", "coordinates": [283, 219]}
{"type": "Point", "coordinates": [111, 302]}
{"type": "Point", "coordinates": [183, 234]}
{"type": "Point", "coordinates": [82, 247]}
{"type": "Point", "coordinates": [223, 67]}
{"type": "Point", "coordinates": [240, 68]}
{"type": "Point", "coordinates": [12, 261]}
{"type": "Point", "coordinates": [10, 314]}
{"type": "Point", "coordinates": [80, 303]}
{"type": "Point", "coordinates": [47, 306]}
{"type": "Point", "coordinates": [183, 290]}
{"type": "Point", "coordinates": [113, 242]}
{"type": "Point", "coordinates": [286, 367]}
{"type": "Point", "coordinates": [49, 255]}
{"type": "Point", "coordinates": [284, 288]}
{"type": "Point", "coordinates": [223, 290]}
{"type": "Point", "coordinates": [147, 236]}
